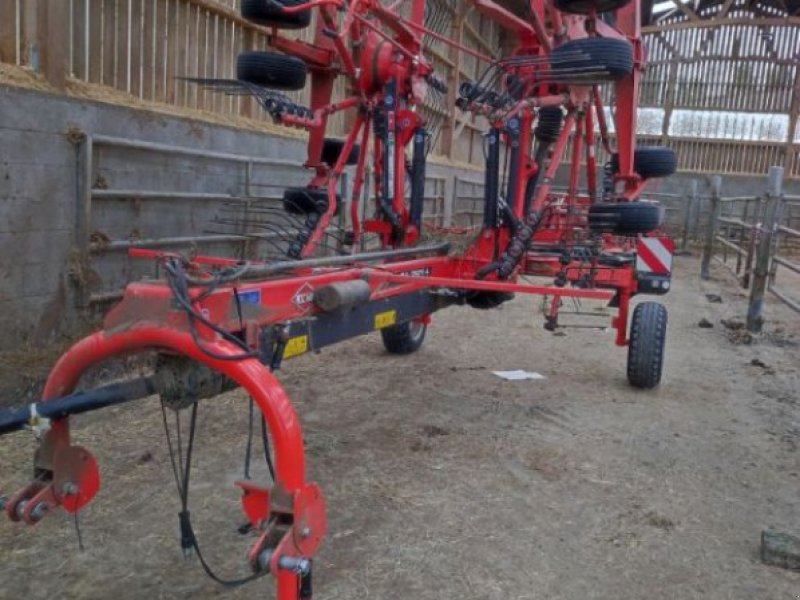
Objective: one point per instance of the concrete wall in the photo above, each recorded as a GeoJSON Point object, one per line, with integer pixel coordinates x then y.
{"type": "Point", "coordinates": [44, 281]}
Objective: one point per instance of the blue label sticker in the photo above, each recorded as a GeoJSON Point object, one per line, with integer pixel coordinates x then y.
{"type": "Point", "coordinates": [251, 297]}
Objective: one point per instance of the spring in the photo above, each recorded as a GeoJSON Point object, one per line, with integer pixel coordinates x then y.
{"type": "Point", "coordinates": [296, 247]}
{"type": "Point", "coordinates": [608, 182]}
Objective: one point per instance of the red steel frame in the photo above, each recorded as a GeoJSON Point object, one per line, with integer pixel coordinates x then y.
{"type": "Point", "coordinates": [391, 48]}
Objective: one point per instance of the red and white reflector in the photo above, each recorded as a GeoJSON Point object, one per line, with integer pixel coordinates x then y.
{"type": "Point", "coordinates": [654, 255]}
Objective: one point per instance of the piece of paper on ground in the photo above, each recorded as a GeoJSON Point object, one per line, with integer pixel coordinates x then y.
{"type": "Point", "coordinates": [518, 375]}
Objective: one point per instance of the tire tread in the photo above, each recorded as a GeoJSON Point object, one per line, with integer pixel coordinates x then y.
{"type": "Point", "coordinates": [646, 346]}
{"type": "Point", "coordinates": [398, 339]}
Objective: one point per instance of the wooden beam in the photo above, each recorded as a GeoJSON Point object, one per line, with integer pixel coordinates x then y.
{"type": "Point", "coordinates": [794, 115]}
{"type": "Point", "coordinates": [787, 62]}
{"type": "Point", "coordinates": [692, 16]}
{"type": "Point", "coordinates": [706, 23]}
{"type": "Point", "coordinates": [9, 44]}
{"type": "Point", "coordinates": [669, 99]}
{"type": "Point", "coordinates": [673, 50]}
{"type": "Point", "coordinates": [723, 12]}
{"type": "Point", "coordinates": [53, 41]}
{"type": "Point", "coordinates": [449, 135]}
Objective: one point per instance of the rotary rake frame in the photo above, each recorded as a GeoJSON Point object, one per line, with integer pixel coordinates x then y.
{"type": "Point", "coordinates": [228, 324]}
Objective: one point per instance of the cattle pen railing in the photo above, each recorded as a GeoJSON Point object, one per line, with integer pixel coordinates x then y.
{"type": "Point", "coordinates": [756, 239]}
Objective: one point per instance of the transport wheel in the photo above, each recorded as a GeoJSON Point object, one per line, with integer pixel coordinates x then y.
{"type": "Point", "coordinates": [625, 218]}
{"type": "Point", "coordinates": [548, 124]}
{"type": "Point", "coordinates": [272, 70]}
{"type": "Point", "coordinates": [651, 161]}
{"type": "Point", "coordinates": [303, 201]}
{"type": "Point", "coordinates": [488, 300]}
{"type": "Point", "coordinates": [646, 347]}
{"type": "Point", "coordinates": [584, 7]}
{"type": "Point", "coordinates": [591, 60]}
{"type": "Point", "coordinates": [269, 14]}
{"type": "Point", "coordinates": [332, 150]}
{"type": "Point", "coordinates": [404, 338]}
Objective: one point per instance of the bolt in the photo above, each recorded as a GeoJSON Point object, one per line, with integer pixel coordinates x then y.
{"type": "Point", "coordinates": [36, 514]}
{"type": "Point", "coordinates": [305, 532]}
{"type": "Point", "coordinates": [301, 566]}
{"type": "Point", "coordinates": [39, 511]}
{"type": "Point", "coordinates": [69, 489]}
{"type": "Point", "coordinates": [264, 559]}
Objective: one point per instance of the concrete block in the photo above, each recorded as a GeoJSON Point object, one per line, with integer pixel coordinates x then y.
{"type": "Point", "coordinates": [780, 549]}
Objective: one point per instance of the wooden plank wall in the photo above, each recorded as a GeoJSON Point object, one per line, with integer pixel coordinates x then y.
{"type": "Point", "coordinates": [738, 65]}
{"type": "Point", "coordinates": [143, 47]}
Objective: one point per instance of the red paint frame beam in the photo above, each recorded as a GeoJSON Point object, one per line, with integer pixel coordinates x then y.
{"type": "Point", "coordinates": [488, 286]}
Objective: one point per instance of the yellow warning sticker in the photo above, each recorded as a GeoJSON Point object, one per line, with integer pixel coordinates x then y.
{"type": "Point", "coordinates": [296, 346]}
{"type": "Point", "coordinates": [385, 319]}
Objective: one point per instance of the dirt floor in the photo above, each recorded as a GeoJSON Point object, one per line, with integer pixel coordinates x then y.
{"type": "Point", "coordinates": [443, 481]}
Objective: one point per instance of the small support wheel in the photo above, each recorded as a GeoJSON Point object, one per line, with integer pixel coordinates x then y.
{"type": "Point", "coordinates": [272, 70]}
{"type": "Point", "coordinates": [585, 7]}
{"type": "Point", "coordinates": [646, 346]}
{"type": "Point", "coordinates": [651, 161]}
{"type": "Point", "coordinates": [591, 60]}
{"type": "Point", "coordinates": [270, 13]}
{"type": "Point", "coordinates": [625, 218]}
{"type": "Point", "coordinates": [405, 338]}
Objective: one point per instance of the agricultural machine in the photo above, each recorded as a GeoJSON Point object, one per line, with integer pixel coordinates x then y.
{"type": "Point", "coordinates": [215, 323]}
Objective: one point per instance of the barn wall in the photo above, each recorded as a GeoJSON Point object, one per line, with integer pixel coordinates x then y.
{"type": "Point", "coordinates": [145, 49]}
{"type": "Point", "coordinates": [56, 269]}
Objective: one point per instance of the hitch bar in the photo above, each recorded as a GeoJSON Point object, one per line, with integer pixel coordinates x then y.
{"type": "Point", "coordinates": [15, 419]}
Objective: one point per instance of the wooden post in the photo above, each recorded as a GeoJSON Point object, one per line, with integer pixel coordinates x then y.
{"type": "Point", "coordinates": [688, 212]}
{"type": "Point", "coordinates": [453, 81]}
{"type": "Point", "coordinates": [794, 109]}
{"type": "Point", "coordinates": [250, 107]}
{"type": "Point", "coordinates": [52, 36]}
{"type": "Point", "coordinates": [449, 201]}
{"type": "Point", "coordinates": [711, 231]}
{"type": "Point", "coordinates": [9, 44]}
{"type": "Point", "coordinates": [742, 239]}
{"type": "Point", "coordinates": [669, 98]}
{"type": "Point", "coordinates": [752, 238]}
{"type": "Point", "coordinates": [755, 318]}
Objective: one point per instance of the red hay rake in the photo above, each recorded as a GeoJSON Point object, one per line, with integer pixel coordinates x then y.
{"type": "Point", "coordinates": [216, 323]}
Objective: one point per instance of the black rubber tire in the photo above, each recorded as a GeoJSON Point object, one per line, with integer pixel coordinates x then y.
{"type": "Point", "coordinates": [625, 218]}
{"type": "Point", "coordinates": [268, 14]}
{"type": "Point", "coordinates": [304, 201]}
{"type": "Point", "coordinates": [548, 125]}
{"type": "Point", "coordinates": [332, 150]}
{"type": "Point", "coordinates": [646, 347]}
{"type": "Point", "coordinates": [584, 7]}
{"type": "Point", "coordinates": [272, 70]}
{"type": "Point", "coordinates": [651, 161]}
{"type": "Point", "coordinates": [404, 338]}
{"type": "Point", "coordinates": [591, 60]}
{"type": "Point", "coordinates": [488, 300]}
